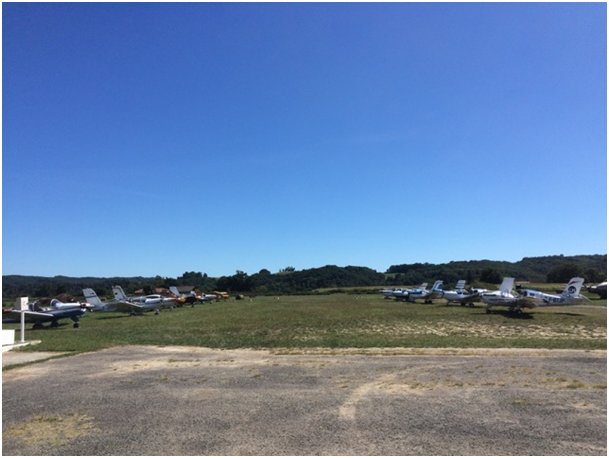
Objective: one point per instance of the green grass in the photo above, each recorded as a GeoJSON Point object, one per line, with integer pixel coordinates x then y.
{"type": "Point", "coordinates": [337, 320]}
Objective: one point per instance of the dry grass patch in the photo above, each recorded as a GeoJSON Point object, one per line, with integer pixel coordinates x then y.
{"type": "Point", "coordinates": [51, 430]}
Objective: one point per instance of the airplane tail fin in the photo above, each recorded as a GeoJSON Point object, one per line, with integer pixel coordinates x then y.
{"type": "Point", "coordinates": [460, 285]}
{"type": "Point", "coordinates": [119, 294]}
{"type": "Point", "coordinates": [507, 285]}
{"type": "Point", "coordinates": [573, 287]}
{"type": "Point", "coordinates": [437, 286]}
{"type": "Point", "coordinates": [91, 297]}
{"type": "Point", "coordinates": [175, 291]}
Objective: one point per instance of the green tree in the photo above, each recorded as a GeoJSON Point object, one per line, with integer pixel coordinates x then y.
{"type": "Point", "coordinates": [564, 272]}
{"type": "Point", "coordinates": [490, 275]}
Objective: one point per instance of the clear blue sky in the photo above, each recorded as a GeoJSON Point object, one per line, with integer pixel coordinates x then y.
{"type": "Point", "coordinates": [154, 139]}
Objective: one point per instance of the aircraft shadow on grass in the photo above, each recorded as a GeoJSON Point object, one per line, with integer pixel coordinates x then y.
{"type": "Point", "coordinates": [568, 313]}
{"type": "Point", "coordinates": [46, 327]}
{"type": "Point", "coordinates": [509, 314]}
{"type": "Point", "coordinates": [116, 317]}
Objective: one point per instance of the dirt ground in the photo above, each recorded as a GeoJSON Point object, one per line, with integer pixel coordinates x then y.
{"type": "Point", "coordinates": [140, 400]}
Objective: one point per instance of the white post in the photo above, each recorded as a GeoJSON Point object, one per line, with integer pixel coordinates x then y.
{"type": "Point", "coordinates": [22, 326]}
{"type": "Point", "coordinates": [22, 306]}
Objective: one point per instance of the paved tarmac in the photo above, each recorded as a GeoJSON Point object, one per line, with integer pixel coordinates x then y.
{"type": "Point", "coordinates": [11, 358]}
{"type": "Point", "coordinates": [194, 401]}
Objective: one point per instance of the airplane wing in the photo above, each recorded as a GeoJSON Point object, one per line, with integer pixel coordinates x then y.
{"type": "Point", "coordinates": [128, 307]}
{"type": "Point", "coordinates": [38, 314]}
{"type": "Point", "coordinates": [15, 315]}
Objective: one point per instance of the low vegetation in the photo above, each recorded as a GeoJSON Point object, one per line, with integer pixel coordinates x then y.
{"type": "Point", "coordinates": [334, 321]}
{"type": "Point", "coordinates": [558, 269]}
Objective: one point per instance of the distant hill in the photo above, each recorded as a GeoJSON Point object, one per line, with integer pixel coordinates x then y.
{"type": "Point", "coordinates": [536, 269]}
{"type": "Point", "coordinates": [290, 281]}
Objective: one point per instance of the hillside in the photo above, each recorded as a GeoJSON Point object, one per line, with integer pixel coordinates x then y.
{"type": "Point", "coordinates": [536, 269]}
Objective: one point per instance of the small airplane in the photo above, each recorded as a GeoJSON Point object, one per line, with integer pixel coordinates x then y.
{"type": "Point", "coordinates": [192, 297]}
{"type": "Point", "coordinates": [503, 296]}
{"type": "Point", "coordinates": [40, 316]}
{"type": "Point", "coordinates": [401, 294]}
{"type": "Point", "coordinates": [460, 295]}
{"type": "Point", "coordinates": [478, 291]}
{"type": "Point", "coordinates": [393, 293]}
{"type": "Point", "coordinates": [114, 305]}
{"type": "Point", "coordinates": [221, 295]}
{"type": "Point", "coordinates": [426, 294]}
{"type": "Point", "coordinates": [388, 292]}
{"type": "Point", "coordinates": [600, 289]}
{"type": "Point", "coordinates": [411, 295]}
{"type": "Point", "coordinates": [569, 296]}
{"type": "Point", "coordinates": [56, 304]}
{"type": "Point", "coordinates": [150, 302]}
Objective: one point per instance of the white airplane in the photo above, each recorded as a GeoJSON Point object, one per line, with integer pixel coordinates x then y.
{"type": "Point", "coordinates": [423, 293]}
{"type": "Point", "coordinates": [114, 305]}
{"type": "Point", "coordinates": [37, 315]}
{"type": "Point", "coordinates": [388, 293]}
{"type": "Point", "coordinates": [600, 289]}
{"type": "Point", "coordinates": [56, 304]}
{"type": "Point", "coordinates": [404, 294]}
{"type": "Point", "coordinates": [399, 293]}
{"type": "Point", "coordinates": [503, 296]}
{"type": "Point", "coordinates": [569, 296]}
{"type": "Point", "coordinates": [150, 302]}
{"type": "Point", "coordinates": [191, 297]}
{"type": "Point", "coordinates": [460, 295]}
{"type": "Point", "coordinates": [478, 291]}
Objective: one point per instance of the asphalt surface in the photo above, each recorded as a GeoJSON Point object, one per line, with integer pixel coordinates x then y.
{"type": "Point", "coordinates": [195, 401]}
{"type": "Point", "coordinates": [11, 358]}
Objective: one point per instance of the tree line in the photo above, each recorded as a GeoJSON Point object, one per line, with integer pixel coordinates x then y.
{"type": "Point", "coordinates": [553, 269]}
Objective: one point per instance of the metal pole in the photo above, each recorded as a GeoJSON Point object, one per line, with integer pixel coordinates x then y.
{"type": "Point", "coordinates": [22, 326]}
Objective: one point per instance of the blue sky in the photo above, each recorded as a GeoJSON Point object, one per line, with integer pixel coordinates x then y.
{"type": "Point", "coordinates": [154, 139]}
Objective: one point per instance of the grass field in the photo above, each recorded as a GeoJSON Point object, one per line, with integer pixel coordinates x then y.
{"type": "Point", "coordinates": [336, 321]}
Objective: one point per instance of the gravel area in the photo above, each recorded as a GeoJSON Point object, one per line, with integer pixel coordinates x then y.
{"type": "Point", "coordinates": [139, 400]}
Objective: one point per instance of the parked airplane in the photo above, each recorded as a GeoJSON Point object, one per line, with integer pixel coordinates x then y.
{"type": "Point", "coordinates": [192, 297]}
{"type": "Point", "coordinates": [221, 295]}
{"type": "Point", "coordinates": [460, 295]}
{"type": "Point", "coordinates": [426, 294]}
{"type": "Point", "coordinates": [600, 289]}
{"type": "Point", "coordinates": [388, 293]}
{"type": "Point", "coordinates": [569, 296]}
{"type": "Point", "coordinates": [114, 305]}
{"type": "Point", "coordinates": [56, 304]}
{"type": "Point", "coordinates": [150, 302]}
{"type": "Point", "coordinates": [413, 294]}
{"type": "Point", "coordinates": [478, 291]}
{"type": "Point", "coordinates": [42, 316]}
{"type": "Point", "coordinates": [503, 296]}
{"type": "Point", "coordinates": [402, 294]}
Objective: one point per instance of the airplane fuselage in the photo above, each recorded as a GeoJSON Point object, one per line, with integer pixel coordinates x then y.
{"type": "Point", "coordinates": [460, 296]}
{"type": "Point", "coordinates": [498, 298]}
{"type": "Point", "coordinates": [541, 299]}
{"type": "Point", "coordinates": [418, 294]}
